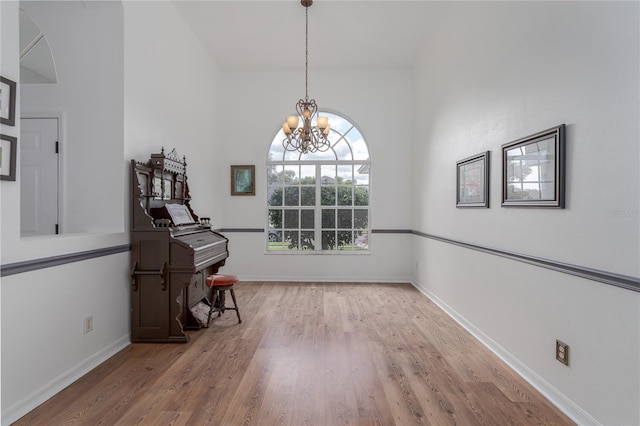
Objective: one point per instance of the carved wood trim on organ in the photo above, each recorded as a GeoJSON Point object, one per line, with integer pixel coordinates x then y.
{"type": "Point", "coordinates": [168, 261]}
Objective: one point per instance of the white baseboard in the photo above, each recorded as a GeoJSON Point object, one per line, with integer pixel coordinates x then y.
{"type": "Point", "coordinates": [325, 279]}
{"type": "Point", "coordinates": [30, 402]}
{"type": "Point", "coordinates": [564, 404]}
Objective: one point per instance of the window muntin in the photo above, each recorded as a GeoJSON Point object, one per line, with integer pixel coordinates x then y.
{"type": "Point", "coordinates": [320, 201]}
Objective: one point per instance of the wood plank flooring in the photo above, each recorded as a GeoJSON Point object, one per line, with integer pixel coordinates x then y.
{"type": "Point", "coordinates": [308, 354]}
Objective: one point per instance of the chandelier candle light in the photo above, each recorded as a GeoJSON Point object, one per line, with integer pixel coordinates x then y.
{"type": "Point", "coordinates": [306, 138]}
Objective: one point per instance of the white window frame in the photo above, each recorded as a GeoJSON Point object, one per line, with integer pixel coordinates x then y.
{"type": "Point", "coordinates": [355, 164]}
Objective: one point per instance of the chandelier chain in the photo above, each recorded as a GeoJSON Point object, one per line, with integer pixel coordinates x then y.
{"type": "Point", "coordinates": [309, 137]}
{"type": "Point", "coordinates": [306, 54]}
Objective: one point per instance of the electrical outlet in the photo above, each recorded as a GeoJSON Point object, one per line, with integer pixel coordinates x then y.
{"type": "Point", "coordinates": [562, 352]}
{"type": "Point", "coordinates": [88, 324]}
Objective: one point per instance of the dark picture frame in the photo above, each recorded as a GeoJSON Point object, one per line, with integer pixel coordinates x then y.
{"type": "Point", "coordinates": [7, 101]}
{"type": "Point", "coordinates": [243, 180]}
{"type": "Point", "coordinates": [472, 181]}
{"type": "Point", "coordinates": [533, 170]}
{"type": "Point", "coordinates": [8, 147]}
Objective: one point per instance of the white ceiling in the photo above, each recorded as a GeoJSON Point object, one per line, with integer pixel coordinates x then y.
{"type": "Point", "coordinates": [268, 35]}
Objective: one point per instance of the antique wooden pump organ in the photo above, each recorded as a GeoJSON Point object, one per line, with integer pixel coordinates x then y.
{"type": "Point", "coordinates": [173, 251]}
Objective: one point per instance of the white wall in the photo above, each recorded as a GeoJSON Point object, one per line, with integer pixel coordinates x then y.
{"type": "Point", "coordinates": [44, 348]}
{"type": "Point", "coordinates": [256, 104]}
{"type": "Point", "coordinates": [43, 311]}
{"type": "Point", "coordinates": [171, 99]}
{"type": "Point", "coordinates": [508, 70]}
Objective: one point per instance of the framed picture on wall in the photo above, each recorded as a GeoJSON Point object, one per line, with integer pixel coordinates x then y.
{"type": "Point", "coordinates": [8, 147]}
{"type": "Point", "coordinates": [533, 170]}
{"type": "Point", "coordinates": [472, 181]}
{"type": "Point", "coordinates": [243, 180]}
{"type": "Point", "coordinates": [7, 101]}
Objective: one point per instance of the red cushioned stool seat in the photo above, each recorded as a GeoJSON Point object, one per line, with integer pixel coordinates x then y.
{"type": "Point", "coordinates": [220, 283]}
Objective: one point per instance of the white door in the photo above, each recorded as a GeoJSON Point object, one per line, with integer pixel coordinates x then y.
{"type": "Point", "coordinates": [38, 176]}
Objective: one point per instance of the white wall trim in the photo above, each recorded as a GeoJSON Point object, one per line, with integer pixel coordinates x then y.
{"type": "Point", "coordinates": [564, 404]}
{"type": "Point", "coordinates": [47, 391]}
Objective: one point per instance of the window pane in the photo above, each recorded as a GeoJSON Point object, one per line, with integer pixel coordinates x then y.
{"type": "Point", "coordinates": [328, 240]}
{"type": "Point", "coordinates": [328, 196]}
{"type": "Point", "coordinates": [334, 139]}
{"type": "Point", "coordinates": [308, 195]}
{"type": "Point", "coordinates": [345, 240]}
{"type": "Point", "coordinates": [344, 218]}
{"type": "Point", "coordinates": [274, 174]}
{"type": "Point", "coordinates": [338, 123]}
{"type": "Point", "coordinates": [291, 156]}
{"type": "Point", "coordinates": [291, 219]}
{"type": "Point", "coordinates": [276, 151]}
{"type": "Point", "coordinates": [344, 196]}
{"type": "Point", "coordinates": [358, 146]}
{"type": "Point", "coordinates": [343, 150]}
{"type": "Point", "coordinates": [307, 219]}
{"type": "Point", "coordinates": [275, 236]}
{"type": "Point", "coordinates": [361, 196]}
{"type": "Point", "coordinates": [292, 174]}
{"type": "Point", "coordinates": [345, 174]}
{"type": "Point", "coordinates": [307, 175]}
{"type": "Point", "coordinates": [360, 218]}
{"type": "Point", "coordinates": [362, 241]}
{"type": "Point", "coordinates": [362, 174]}
{"type": "Point", "coordinates": [275, 218]}
{"type": "Point", "coordinates": [278, 245]}
{"type": "Point", "coordinates": [292, 196]}
{"type": "Point", "coordinates": [328, 155]}
{"type": "Point", "coordinates": [275, 195]}
{"type": "Point", "coordinates": [306, 240]}
{"type": "Point", "coordinates": [291, 238]}
{"type": "Point", "coordinates": [328, 174]}
{"type": "Point", "coordinates": [328, 218]}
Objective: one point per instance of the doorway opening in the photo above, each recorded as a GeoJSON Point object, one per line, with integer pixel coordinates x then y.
{"type": "Point", "coordinates": [39, 176]}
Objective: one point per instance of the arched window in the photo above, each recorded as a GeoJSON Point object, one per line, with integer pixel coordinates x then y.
{"type": "Point", "coordinates": [320, 202]}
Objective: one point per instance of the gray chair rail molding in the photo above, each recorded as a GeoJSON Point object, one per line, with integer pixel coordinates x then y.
{"type": "Point", "coordinates": [48, 262]}
{"type": "Point", "coordinates": [605, 277]}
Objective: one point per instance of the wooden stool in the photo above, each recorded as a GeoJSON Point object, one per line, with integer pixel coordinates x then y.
{"type": "Point", "coordinates": [219, 283]}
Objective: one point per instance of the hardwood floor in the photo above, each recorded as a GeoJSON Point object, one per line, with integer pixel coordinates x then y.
{"type": "Point", "coordinates": [308, 354]}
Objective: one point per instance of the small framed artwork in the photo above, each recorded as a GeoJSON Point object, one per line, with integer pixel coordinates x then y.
{"type": "Point", "coordinates": [243, 180]}
{"type": "Point", "coordinates": [7, 101]}
{"type": "Point", "coordinates": [533, 170]}
{"type": "Point", "coordinates": [8, 146]}
{"type": "Point", "coordinates": [472, 181]}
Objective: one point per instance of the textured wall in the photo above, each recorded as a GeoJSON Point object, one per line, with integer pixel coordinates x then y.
{"type": "Point", "coordinates": [508, 70]}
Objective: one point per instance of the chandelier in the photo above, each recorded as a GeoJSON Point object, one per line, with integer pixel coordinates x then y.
{"type": "Point", "coordinates": [306, 138]}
